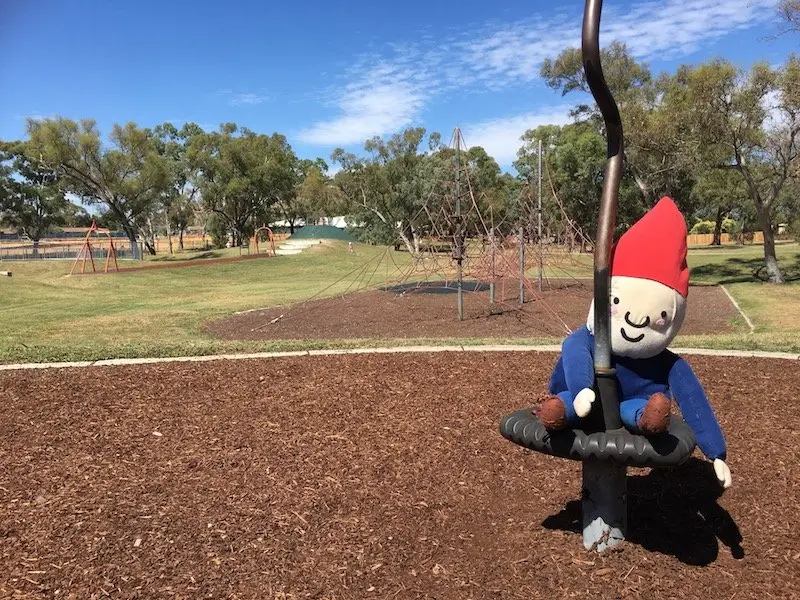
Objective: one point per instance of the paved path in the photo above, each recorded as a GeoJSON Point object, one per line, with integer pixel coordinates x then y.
{"type": "Point", "coordinates": [390, 350]}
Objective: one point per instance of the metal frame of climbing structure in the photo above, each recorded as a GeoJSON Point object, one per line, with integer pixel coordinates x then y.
{"type": "Point", "coordinates": [605, 447]}
{"type": "Point", "coordinates": [86, 250]}
{"type": "Point", "coordinates": [271, 239]}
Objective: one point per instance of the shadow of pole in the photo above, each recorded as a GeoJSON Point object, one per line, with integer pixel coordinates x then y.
{"type": "Point", "coordinates": [672, 511]}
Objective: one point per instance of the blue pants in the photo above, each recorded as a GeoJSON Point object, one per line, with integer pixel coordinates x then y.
{"type": "Point", "coordinates": [629, 411]}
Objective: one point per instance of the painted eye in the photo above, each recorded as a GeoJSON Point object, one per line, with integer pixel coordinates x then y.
{"type": "Point", "coordinates": [663, 314]}
{"type": "Point", "coordinates": [616, 300]}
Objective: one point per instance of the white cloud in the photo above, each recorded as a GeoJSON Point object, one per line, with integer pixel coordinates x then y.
{"type": "Point", "coordinates": [775, 117]}
{"type": "Point", "coordinates": [513, 52]}
{"type": "Point", "coordinates": [382, 100]}
{"type": "Point", "coordinates": [501, 137]}
{"type": "Point", "coordinates": [383, 93]}
{"type": "Point", "coordinates": [35, 117]}
{"type": "Point", "coordinates": [241, 98]}
{"type": "Point", "coordinates": [246, 98]}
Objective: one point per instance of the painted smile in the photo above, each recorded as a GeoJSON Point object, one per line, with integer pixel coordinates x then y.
{"type": "Point", "coordinates": [638, 338]}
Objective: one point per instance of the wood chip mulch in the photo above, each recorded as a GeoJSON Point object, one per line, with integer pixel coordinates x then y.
{"type": "Point", "coordinates": [430, 312]}
{"type": "Point", "coordinates": [371, 476]}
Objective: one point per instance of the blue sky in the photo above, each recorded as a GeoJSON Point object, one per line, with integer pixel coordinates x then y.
{"type": "Point", "coordinates": [333, 74]}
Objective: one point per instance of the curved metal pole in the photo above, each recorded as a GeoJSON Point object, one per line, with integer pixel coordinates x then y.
{"type": "Point", "coordinates": [593, 70]}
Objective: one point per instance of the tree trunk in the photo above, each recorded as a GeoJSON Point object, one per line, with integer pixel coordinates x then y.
{"type": "Point", "coordinates": [149, 237]}
{"type": "Point", "coordinates": [407, 242]}
{"type": "Point", "coordinates": [131, 233]}
{"type": "Point", "coordinates": [36, 248]}
{"type": "Point", "coordinates": [169, 233]}
{"type": "Point", "coordinates": [291, 226]}
{"type": "Point", "coordinates": [180, 238]}
{"type": "Point", "coordinates": [765, 220]}
{"type": "Point", "coordinates": [770, 259]}
{"type": "Point", "coordinates": [717, 241]}
{"type": "Point", "coordinates": [644, 187]}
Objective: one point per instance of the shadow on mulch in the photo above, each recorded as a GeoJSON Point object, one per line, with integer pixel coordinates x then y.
{"type": "Point", "coordinates": [671, 511]}
{"type": "Point", "coordinates": [436, 287]}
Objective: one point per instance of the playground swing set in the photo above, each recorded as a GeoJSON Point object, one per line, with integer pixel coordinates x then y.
{"type": "Point", "coordinates": [86, 251]}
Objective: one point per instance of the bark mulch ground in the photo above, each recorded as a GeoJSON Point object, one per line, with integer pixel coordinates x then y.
{"type": "Point", "coordinates": [431, 312]}
{"type": "Point", "coordinates": [370, 476]}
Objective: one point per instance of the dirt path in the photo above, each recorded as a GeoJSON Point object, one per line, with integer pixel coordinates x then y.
{"type": "Point", "coordinates": [369, 476]}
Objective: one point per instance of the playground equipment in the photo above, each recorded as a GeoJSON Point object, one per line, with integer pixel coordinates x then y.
{"type": "Point", "coordinates": [86, 250]}
{"type": "Point", "coordinates": [270, 239]}
{"type": "Point", "coordinates": [604, 446]}
{"type": "Point", "coordinates": [461, 241]}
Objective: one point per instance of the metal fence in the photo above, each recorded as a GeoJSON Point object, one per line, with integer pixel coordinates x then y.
{"type": "Point", "coordinates": [68, 248]}
{"type": "Point", "coordinates": [63, 250]}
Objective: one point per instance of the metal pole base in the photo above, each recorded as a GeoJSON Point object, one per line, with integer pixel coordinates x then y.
{"type": "Point", "coordinates": [604, 503]}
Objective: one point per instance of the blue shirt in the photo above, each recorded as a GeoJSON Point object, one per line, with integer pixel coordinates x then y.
{"type": "Point", "coordinates": [666, 372]}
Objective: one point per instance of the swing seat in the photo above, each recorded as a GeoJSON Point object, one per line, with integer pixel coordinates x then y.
{"type": "Point", "coordinates": [620, 446]}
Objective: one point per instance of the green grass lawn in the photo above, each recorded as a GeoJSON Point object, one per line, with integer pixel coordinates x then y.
{"type": "Point", "coordinates": [773, 309]}
{"type": "Point", "coordinates": [48, 315]}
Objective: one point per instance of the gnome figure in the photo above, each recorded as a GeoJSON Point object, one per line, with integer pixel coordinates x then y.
{"type": "Point", "coordinates": [649, 288]}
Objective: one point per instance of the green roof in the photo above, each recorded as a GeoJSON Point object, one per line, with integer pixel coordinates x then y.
{"type": "Point", "coordinates": [321, 232]}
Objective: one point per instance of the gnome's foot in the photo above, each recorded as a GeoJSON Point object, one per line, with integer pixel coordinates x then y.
{"type": "Point", "coordinates": [552, 413]}
{"type": "Point", "coordinates": [655, 417]}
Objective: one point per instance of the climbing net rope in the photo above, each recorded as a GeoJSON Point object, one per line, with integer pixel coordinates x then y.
{"type": "Point", "coordinates": [505, 265]}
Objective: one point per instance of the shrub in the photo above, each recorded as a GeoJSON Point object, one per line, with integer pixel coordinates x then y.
{"type": "Point", "coordinates": [702, 227]}
{"type": "Point", "coordinates": [794, 229]}
{"type": "Point", "coordinates": [732, 227]}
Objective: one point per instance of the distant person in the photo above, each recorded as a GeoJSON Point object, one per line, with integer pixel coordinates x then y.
{"type": "Point", "coordinates": [349, 246]}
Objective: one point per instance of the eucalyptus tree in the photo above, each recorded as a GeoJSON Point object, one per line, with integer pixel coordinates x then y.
{"type": "Point", "coordinates": [32, 200]}
{"type": "Point", "coordinates": [789, 12]}
{"type": "Point", "coordinates": [313, 196]}
{"type": "Point", "coordinates": [178, 199]}
{"type": "Point", "coordinates": [242, 175]}
{"type": "Point", "coordinates": [658, 157]}
{"type": "Point", "coordinates": [720, 193]}
{"type": "Point", "coordinates": [386, 189]}
{"type": "Point", "coordinates": [573, 164]}
{"type": "Point", "coordinates": [747, 122]}
{"type": "Point", "coordinates": [127, 176]}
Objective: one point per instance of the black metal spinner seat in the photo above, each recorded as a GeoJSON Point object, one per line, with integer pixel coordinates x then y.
{"type": "Point", "coordinates": [620, 446]}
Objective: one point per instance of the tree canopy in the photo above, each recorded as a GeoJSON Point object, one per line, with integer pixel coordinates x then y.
{"type": "Point", "coordinates": [722, 141]}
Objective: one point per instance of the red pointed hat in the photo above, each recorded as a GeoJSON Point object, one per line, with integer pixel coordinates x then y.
{"type": "Point", "coordinates": [655, 248]}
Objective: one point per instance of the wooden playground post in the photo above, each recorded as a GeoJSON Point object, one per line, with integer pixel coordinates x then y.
{"type": "Point", "coordinates": [86, 249]}
{"type": "Point", "coordinates": [111, 251]}
{"type": "Point", "coordinates": [270, 237]}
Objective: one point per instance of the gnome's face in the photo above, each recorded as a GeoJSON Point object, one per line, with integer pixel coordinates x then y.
{"type": "Point", "coordinates": [645, 316]}
{"type": "Point", "coordinates": [649, 283]}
